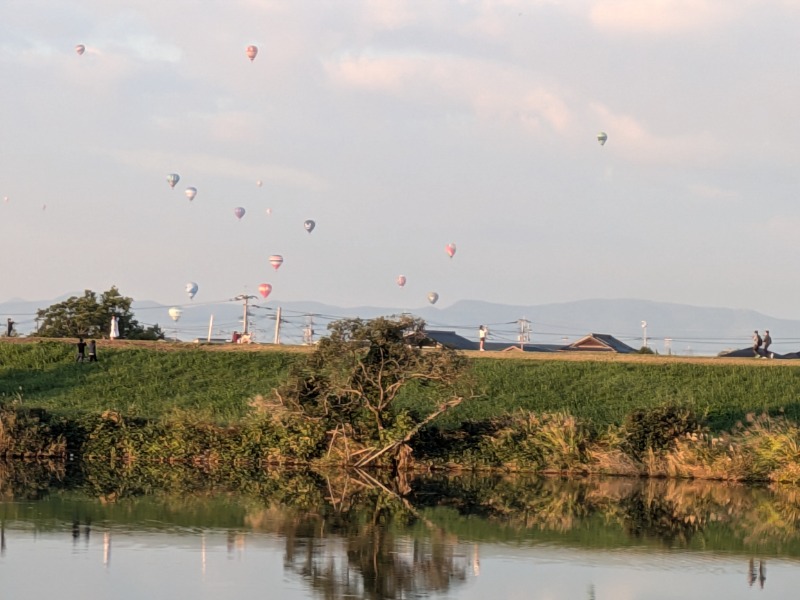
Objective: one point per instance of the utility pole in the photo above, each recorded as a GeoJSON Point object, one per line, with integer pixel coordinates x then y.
{"type": "Point", "coordinates": [245, 301]}
{"type": "Point", "coordinates": [524, 332]}
{"type": "Point", "coordinates": [277, 339]}
{"type": "Point", "coordinates": [308, 330]}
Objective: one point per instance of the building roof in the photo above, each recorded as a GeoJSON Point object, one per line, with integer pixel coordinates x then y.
{"type": "Point", "coordinates": [592, 342]}
{"type": "Point", "coordinates": [451, 339]}
{"type": "Point", "coordinates": [600, 342]}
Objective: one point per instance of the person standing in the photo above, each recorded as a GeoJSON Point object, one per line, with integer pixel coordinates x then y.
{"type": "Point", "coordinates": [81, 350]}
{"type": "Point", "coordinates": [757, 341]}
{"type": "Point", "coordinates": [92, 351]}
{"type": "Point", "coordinates": [113, 332]}
{"type": "Point", "coordinates": [482, 333]}
{"type": "Point", "coordinates": [767, 342]}
{"type": "Point", "coordinates": [9, 327]}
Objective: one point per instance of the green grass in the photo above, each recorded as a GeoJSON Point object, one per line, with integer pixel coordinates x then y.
{"type": "Point", "coordinates": [217, 385]}
{"type": "Point", "coordinates": [138, 382]}
{"type": "Point", "coordinates": [606, 392]}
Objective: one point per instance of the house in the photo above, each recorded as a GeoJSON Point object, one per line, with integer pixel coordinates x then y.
{"type": "Point", "coordinates": [600, 342]}
{"type": "Point", "coordinates": [594, 342]}
{"type": "Point", "coordinates": [449, 339]}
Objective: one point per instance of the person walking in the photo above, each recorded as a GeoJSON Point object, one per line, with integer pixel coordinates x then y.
{"type": "Point", "coordinates": [81, 350]}
{"type": "Point", "coordinates": [92, 351]}
{"type": "Point", "coordinates": [767, 342]}
{"type": "Point", "coordinates": [482, 333]}
{"type": "Point", "coordinates": [757, 341]}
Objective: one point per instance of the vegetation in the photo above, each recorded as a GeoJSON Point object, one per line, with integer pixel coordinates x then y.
{"type": "Point", "coordinates": [366, 396]}
{"type": "Point", "coordinates": [87, 316]}
{"type": "Point", "coordinates": [350, 385]}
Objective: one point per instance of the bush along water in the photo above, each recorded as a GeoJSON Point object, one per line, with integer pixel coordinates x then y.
{"type": "Point", "coordinates": [665, 442]}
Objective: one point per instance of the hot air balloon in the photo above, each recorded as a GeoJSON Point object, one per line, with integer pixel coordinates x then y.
{"type": "Point", "coordinates": [175, 313]}
{"type": "Point", "coordinates": [433, 297]}
{"type": "Point", "coordinates": [259, 183]}
{"type": "Point", "coordinates": [602, 137]}
{"type": "Point", "coordinates": [276, 260]}
{"type": "Point", "coordinates": [309, 225]}
{"type": "Point", "coordinates": [191, 289]}
{"type": "Point", "coordinates": [401, 280]}
{"type": "Point", "coordinates": [450, 249]}
{"type": "Point", "coordinates": [191, 192]}
{"type": "Point", "coordinates": [251, 52]}
{"type": "Point", "coordinates": [269, 212]}
{"type": "Point", "coordinates": [172, 179]}
{"type": "Point", "coordinates": [239, 212]}
{"type": "Point", "coordinates": [264, 289]}
{"type": "Point", "coordinates": [80, 49]}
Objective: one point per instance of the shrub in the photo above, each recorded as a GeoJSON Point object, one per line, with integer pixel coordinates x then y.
{"type": "Point", "coordinates": [655, 429]}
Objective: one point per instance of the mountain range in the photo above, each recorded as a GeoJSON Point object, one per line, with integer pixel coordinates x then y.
{"type": "Point", "coordinates": [670, 328]}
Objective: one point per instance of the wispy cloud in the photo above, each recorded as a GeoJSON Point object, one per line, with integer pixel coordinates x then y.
{"type": "Point", "coordinates": [632, 139]}
{"type": "Point", "coordinates": [225, 167]}
{"type": "Point", "coordinates": [662, 16]}
{"type": "Point", "coordinates": [490, 91]}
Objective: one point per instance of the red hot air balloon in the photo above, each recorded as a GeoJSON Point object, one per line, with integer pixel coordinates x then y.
{"type": "Point", "coordinates": [276, 260]}
{"type": "Point", "coordinates": [264, 289]}
{"type": "Point", "coordinates": [450, 249]}
{"type": "Point", "coordinates": [401, 280]}
{"type": "Point", "coordinates": [239, 212]}
{"type": "Point", "coordinates": [251, 52]}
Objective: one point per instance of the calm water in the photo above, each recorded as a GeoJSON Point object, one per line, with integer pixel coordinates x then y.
{"type": "Point", "coordinates": [178, 533]}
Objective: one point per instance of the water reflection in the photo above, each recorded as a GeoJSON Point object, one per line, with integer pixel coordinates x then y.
{"type": "Point", "coordinates": [357, 535]}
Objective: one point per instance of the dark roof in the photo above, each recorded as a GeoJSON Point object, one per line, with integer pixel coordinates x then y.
{"type": "Point", "coordinates": [600, 342]}
{"type": "Point", "coordinates": [748, 353]}
{"type": "Point", "coordinates": [451, 339]}
{"type": "Point", "coordinates": [592, 342]}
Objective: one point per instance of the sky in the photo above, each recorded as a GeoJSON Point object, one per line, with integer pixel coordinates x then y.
{"type": "Point", "coordinates": [400, 127]}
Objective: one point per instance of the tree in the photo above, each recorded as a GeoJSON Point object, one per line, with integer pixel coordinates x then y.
{"type": "Point", "coordinates": [86, 316]}
{"type": "Point", "coordinates": [356, 375]}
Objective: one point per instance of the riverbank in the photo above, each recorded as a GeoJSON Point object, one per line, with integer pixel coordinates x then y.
{"type": "Point", "coordinates": [183, 403]}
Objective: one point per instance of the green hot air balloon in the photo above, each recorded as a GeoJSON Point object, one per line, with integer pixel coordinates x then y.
{"type": "Point", "coordinates": [602, 137]}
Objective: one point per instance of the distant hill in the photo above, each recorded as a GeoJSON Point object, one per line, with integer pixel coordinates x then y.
{"type": "Point", "coordinates": [692, 329]}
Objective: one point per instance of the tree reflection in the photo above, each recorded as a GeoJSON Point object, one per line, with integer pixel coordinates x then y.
{"type": "Point", "coordinates": [354, 534]}
{"type": "Point", "coordinates": [370, 543]}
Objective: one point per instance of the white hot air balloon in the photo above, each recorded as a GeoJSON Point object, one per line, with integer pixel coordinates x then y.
{"type": "Point", "coordinates": [191, 289]}
{"type": "Point", "coordinates": [191, 192]}
{"type": "Point", "coordinates": [433, 297]}
{"type": "Point", "coordinates": [175, 313]}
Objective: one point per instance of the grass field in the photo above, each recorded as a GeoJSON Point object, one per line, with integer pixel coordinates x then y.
{"type": "Point", "coordinates": [156, 379]}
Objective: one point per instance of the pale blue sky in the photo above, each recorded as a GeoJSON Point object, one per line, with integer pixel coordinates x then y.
{"type": "Point", "coordinates": [400, 127]}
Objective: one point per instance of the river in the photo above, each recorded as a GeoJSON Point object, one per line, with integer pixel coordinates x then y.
{"type": "Point", "coordinates": [89, 531]}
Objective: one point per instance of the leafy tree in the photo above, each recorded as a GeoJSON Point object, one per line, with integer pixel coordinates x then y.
{"type": "Point", "coordinates": [356, 374]}
{"type": "Point", "coordinates": [89, 316]}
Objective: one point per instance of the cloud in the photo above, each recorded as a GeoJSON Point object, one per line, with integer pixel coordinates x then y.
{"type": "Point", "coordinates": [713, 193]}
{"type": "Point", "coordinates": [223, 166]}
{"type": "Point", "coordinates": [781, 230]}
{"type": "Point", "coordinates": [661, 16]}
{"type": "Point", "coordinates": [490, 91]}
{"type": "Point", "coordinates": [633, 140]}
